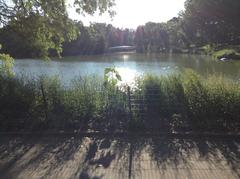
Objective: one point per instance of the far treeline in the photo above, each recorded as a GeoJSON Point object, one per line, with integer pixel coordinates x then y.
{"type": "Point", "coordinates": [41, 29]}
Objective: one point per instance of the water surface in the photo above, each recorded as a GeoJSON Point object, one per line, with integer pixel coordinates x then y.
{"type": "Point", "coordinates": [129, 65]}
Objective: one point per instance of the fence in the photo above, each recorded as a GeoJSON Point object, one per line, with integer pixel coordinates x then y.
{"type": "Point", "coordinates": [105, 109]}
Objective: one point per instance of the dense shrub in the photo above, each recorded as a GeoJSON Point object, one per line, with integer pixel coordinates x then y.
{"type": "Point", "coordinates": [156, 103]}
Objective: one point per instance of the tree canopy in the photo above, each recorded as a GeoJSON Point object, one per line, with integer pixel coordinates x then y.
{"type": "Point", "coordinates": [43, 26]}
{"type": "Point", "coordinates": [97, 38]}
{"type": "Point", "coordinates": [215, 21]}
{"type": "Point", "coordinates": [203, 22]}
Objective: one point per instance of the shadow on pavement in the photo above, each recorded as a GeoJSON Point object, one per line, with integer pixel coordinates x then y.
{"type": "Point", "coordinates": [133, 157]}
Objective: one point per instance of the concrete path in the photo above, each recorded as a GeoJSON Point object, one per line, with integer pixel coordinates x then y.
{"type": "Point", "coordinates": [119, 158]}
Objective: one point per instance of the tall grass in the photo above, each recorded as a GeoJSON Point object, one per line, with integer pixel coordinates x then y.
{"type": "Point", "coordinates": [44, 103]}
{"type": "Point", "coordinates": [158, 103]}
{"type": "Point", "coordinates": [188, 100]}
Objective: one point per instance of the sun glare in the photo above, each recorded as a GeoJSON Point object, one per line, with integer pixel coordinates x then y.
{"type": "Point", "coordinates": [125, 57]}
{"type": "Point", "coordinates": [128, 75]}
{"type": "Point", "coordinates": [131, 13]}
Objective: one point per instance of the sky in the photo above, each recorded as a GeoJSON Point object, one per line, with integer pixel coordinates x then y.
{"type": "Point", "coordinates": [132, 13]}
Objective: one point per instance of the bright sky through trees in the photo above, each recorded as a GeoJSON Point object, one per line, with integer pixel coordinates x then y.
{"type": "Point", "coordinates": [131, 13]}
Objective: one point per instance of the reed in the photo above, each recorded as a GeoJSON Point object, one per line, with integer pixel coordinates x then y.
{"type": "Point", "coordinates": [177, 101]}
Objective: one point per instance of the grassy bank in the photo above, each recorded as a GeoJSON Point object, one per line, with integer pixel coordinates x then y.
{"type": "Point", "coordinates": [227, 53]}
{"type": "Point", "coordinates": [179, 101]}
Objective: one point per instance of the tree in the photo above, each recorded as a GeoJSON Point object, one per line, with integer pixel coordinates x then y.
{"type": "Point", "coordinates": [152, 37]}
{"type": "Point", "coordinates": [52, 9]}
{"type": "Point", "coordinates": [97, 38]}
{"type": "Point", "coordinates": [176, 33]}
{"type": "Point", "coordinates": [214, 21]}
{"type": "Point", "coordinates": [140, 39]}
{"type": "Point", "coordinates": [34, 36]}
{"type": "Point", "coordinates": [45, 24]}
{"type": "Point", "coordinates": [90, 41]}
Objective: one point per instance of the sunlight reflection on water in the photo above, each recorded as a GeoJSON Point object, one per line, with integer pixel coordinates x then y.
{"type": "Point", "coordinates": [128, 75]}
{"type": "Point", "coordinates": [129, 66]}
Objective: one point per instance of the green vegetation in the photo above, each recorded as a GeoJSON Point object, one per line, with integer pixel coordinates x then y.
{"type": "Point", "coordinates": [40, 30]}
{"type": "Point", "coordinates": [31, 37]}
{"type": "Point", "coordinates": [6, 64]}
{"type": "Point", "coordinates": [97, 38]}
{"type": "Point", "coordinates": [44, 103]}
{"type": "Point", "coordinates": [189, 100]}
{"type": "Point", "coordinates": [22, 38]}
{"type": "Point", "coordinates": [202, 23]}
{"type": "Point", "coordinates": [226, 53]}
{"type": "Point", "coordinates": [176, 102]}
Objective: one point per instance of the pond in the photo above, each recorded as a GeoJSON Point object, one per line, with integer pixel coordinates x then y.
{"type": "Point", "coordinates": [129, 65]}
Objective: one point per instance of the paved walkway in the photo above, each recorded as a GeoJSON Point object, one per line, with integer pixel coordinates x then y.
{"type": "Point", "coordinates": [113, 158]}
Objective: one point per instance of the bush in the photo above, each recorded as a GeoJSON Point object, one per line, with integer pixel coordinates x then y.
{"type": "Point", "coordinates": [226, 53]}
{"type": "Point", "coordinates": [17, 101]}
{"type": "Point", "coordinates": [157, 103]}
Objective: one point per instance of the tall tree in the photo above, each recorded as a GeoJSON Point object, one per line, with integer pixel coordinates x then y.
{"type": "Point", "coordinates": [152, 37]}
{"type": "Point", "coordinates": [43, 24]}
{"type": "Point", "coordinates": [215, 21]}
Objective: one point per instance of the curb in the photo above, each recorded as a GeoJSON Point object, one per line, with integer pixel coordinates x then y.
{"type": "Point", "coordinates": [123, 134]}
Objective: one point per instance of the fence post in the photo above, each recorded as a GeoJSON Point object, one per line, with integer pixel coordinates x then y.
{"type": "Point", "coordinates": [44, 100]}
{"type": "Point", "coordinates": [130, 159]}
{"type": "Point", "coordinates": [129, 102]}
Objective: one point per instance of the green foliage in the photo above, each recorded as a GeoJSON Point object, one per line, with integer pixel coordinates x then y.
{"type": "Point", "coordinates": [189, 100]}
{"type": "Point", "coordinates": [208, 49]}
{"type": "Point", "coordinates": [82, 101]}
{"type": "Point", "coordinates": [152, 37]}
{"type": "Point", "coordinates": [33, 28]}
{"type": "Point", "coordinates": [34, 36]}
{"type": "Point", "coordinates": [6, 64]}
{"type": "Point", "coordinates": [91, 6]}
{"type": "Point", "coordinates": [226, 53]}
{"type": "Point", "coordinates": [17, 102]}
{"type": "Point", "coordinates": [167, 103]}
{"type": "Point", "coordinates": [202, 23]}
{"type": "Point", "coordinates": [96, 39]}
{"type": "Point", "coordinates": [161, 99]}
{"type": "Point", "coordinates": [212, 21]}
{"type": "Point", "coordinates": [36, 104]}
{"type": "Point", "coordinates": [111, 77]}
{"type": "Point", "coordinates": [196, 95]}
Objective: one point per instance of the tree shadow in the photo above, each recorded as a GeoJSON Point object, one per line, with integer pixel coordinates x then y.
{"type": "Point", "coordinates": [98, 157]}
{"type": "Point", "coordinates": [107, 154]}
{"type": "Point", "coordinates": [54, 151]}
{"type": "Point", "coordinates": [48, 156]}
{"type": "Point", "coordinates": [12, 150]}
{"type": "Point", "coordinates": [177, 153]}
